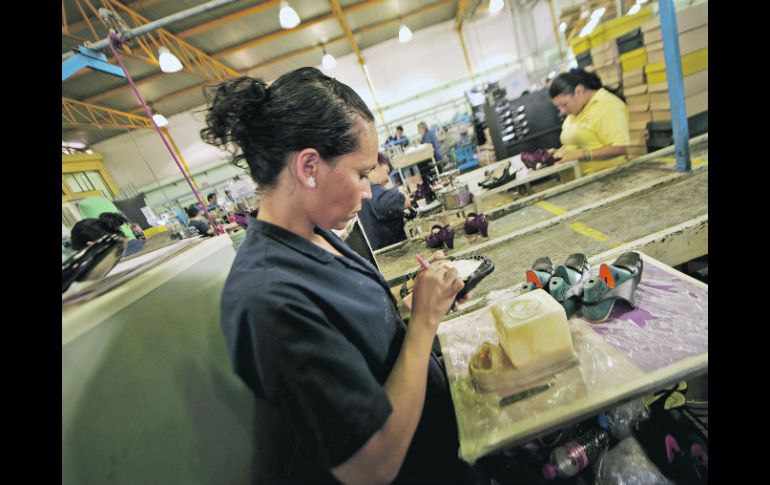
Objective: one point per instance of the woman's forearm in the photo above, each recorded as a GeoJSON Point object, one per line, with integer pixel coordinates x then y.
{"type": "Point", "coordinates": [605, 153]}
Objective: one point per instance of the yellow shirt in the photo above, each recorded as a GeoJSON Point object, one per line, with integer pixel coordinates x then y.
{"type": "Point", "coordinates": [602, 122]}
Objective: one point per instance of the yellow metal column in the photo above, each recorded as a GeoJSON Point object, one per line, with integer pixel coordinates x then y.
{"type": "Point", "coordinates": [556, 29]}
{"type": "Point", "coordinates": [465, 53]}
{"type": "Point", "coordinates": [337, 9]}
{"type": "Point", "coordinates": [181, 158]}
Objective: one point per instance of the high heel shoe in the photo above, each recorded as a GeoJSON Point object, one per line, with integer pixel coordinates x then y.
{"type": "Point", "coordinates": [539, 275]}
{"type": "Point", "coordinates": [440, 237]}
{"type": "Point", "coordinates": [475, 223]}
{"type": "Point", "coordinates": [566, 284]}
{"type": "Point", "coordinates": [448, 236]}
{"type": "Point", "coordinates": [538, 159]}
{"type": "Point", "coordinates": [616, 281]}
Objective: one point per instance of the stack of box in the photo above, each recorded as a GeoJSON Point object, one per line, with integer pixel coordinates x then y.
{"type": "Point", "coordinates": [692, 24]}
{"type": "Point", "coordinates": [633, 58]}
{"type": "Point", "coordinates": [606, 64]}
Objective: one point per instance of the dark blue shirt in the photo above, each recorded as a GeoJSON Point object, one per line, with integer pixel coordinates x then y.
{"type": "Point", "coordinates": [383, 217]}
{"type": "Point", "coordinates": [430, 137]}
{"type": "Point", "coordinates": [201, 226]}
{"type": "Point", "coordinates": [315, 336]}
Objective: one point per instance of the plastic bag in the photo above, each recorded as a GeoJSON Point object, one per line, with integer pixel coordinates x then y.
{"type": "Point", "coordinates": [622, 419]}
{"type": "Point", "coordinates": [628, 464]}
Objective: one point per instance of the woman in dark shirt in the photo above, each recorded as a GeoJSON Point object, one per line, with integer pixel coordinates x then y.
{"type": "Point", "coordinates": [311, 327]}
{"type": "Point", "coordinates": [196, 221]}
{"type": "Point", "coordinates": [382, 216]}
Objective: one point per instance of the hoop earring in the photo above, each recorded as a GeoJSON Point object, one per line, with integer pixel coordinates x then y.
{"type": "Point", "coordinates": [311, 181]}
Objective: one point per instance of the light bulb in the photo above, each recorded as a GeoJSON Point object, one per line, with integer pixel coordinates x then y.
{"type": "Point", "coordinates": [288, 16]}
{"type": "Point", "coordinates": [168, 61]}
{"type": "Point", "coordinates": [495, 6]}
{"type": "Point", "coordinates": [329, 62]}
{"type": "Point", "coordinates": [636, 7]}
{"type": "Point", "coordinates": [160, 120]}
{"type": "Point", "coordinates": [404, 34]}
{"type": "Point", "coordinates": [563, 27]}
{"type": "Point", "coordinates": [596, 14]}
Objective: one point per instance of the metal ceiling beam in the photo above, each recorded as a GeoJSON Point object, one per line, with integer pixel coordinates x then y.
{"type": "Point", "coordinates": [82, 23]}
{"type": "Point", "coordinates": [305, 50]}
{"type": "Point", "coordinates": [460, 12]}
{"type": "Point", "coordinates": [284, 32]}
{"type": "Point", "coordinates": [275, 35]}
{"type": "Point", "coordinates": [194, 60]}
{"type": "Point", "coordinates": [211, 24]}
{"type": "Point", "coordinates": [78, 115]}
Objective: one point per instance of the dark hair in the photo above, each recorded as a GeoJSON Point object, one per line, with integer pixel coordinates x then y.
{"type": "Point", "coordinates": [87, 230]}
{"type": "Point", "coordinates": [566, 82]}
{"type": "Point", "coordinates": [191, 211]}
{"type": "Point", "coordinates": [383, 159]}
{"type": "Point", "coordinates": [211, 196]}
{"type": "Point", "coordinates": [112, 221]}
{"type": "Point", "coordinates": [263, 124]}
{"type": "Point", "coordinates": [399, 128]}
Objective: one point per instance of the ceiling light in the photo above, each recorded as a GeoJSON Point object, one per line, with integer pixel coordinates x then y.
{"type": "Point", "coordinates": [598, 13]}
{"type": "Point", "coordinates": [160, 120]}
{"type": "Point", "coordinates": [288, 16]}
{"type": "Point", "coordinates": [636, 7]}
{"type": "Point", "coordinates": [404, 34]}
{"type": "Point", "coordinates": [589, 27]}
{"type": "Point", "coordinates": [168, 61]}
{"type": "Point", "coordinates": [495, 6]}
{"type": "Point", "coordinates": [563, 27]}
{"type": "Point", "coordinates": [328, 61]}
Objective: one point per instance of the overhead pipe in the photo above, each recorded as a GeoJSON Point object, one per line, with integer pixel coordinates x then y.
{"type": "Point", "coordinates": [127, 34]}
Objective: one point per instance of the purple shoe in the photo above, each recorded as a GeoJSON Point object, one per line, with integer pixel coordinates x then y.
{"type": "Point", "coordinates": [435, 239]}
{"type": "Point", "coordinates": [476, 223]}
{"type": "Point", "coordinates": [538, 159]}
{"type": "Point", "coordinates": [448, 236]}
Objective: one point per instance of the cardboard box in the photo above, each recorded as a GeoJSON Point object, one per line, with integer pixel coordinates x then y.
{"type": "Point", "coordinates": [638, 137]}
{"type": "Point", "coordinates": [638, 125]}
{"type": "Point", "coordinates": [642, 98]}
{"type": "Point", "coordinates": [695, 104]}
{"type": "Point", "coordinates": [639, 106]}
{"type": "Point", "coordinates": [604, 52]}
{"type": "Point", "coordinates": [633, 78]}
{"type": "Point", "coordinates": [636, 151]}
{"type": "Point", "coordinates": [691, 63]}
{"type": "Point", "coordinates": [640, 117]}
{"type": "Point", "coordinates": [633, 60]}
{"type": "Point", "coordinates": [686, 20]}
{"type": "Point", "coordinates": [689, 42]}
{"type": "Point", "coordinates": [696, 83]}
{"type": "Point", "coordinates": [661, 115]}
{"type": "Point", "coordinates": [652, 36]}
{"type": "Point", "coordinates": [635, 90]}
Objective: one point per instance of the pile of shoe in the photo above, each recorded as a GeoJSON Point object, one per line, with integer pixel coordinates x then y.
{"type": "Point", "coordinates": [572, 285]}
{"type": "Point", "coordinates": [500, 176]}
{"type": "Point", "coordinates": [444, 236]}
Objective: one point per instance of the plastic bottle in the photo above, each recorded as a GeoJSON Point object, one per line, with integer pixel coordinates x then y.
{"type": "Point", "coordinates": [568, 460]}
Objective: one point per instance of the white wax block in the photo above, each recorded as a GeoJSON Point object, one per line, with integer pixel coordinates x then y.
{"type": "Point", "coordinates": [533, 330]}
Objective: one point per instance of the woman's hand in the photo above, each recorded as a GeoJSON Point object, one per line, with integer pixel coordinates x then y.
{"type": "Point", "coordinates": [436, 256]}
{"type": "Point", "coordinates": [434, 292]}
{"type": "Point", "coordinates": [566, 155]}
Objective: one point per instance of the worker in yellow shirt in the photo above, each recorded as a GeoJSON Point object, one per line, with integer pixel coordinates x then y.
{"type": "Point", "coordinates": [595, 131]}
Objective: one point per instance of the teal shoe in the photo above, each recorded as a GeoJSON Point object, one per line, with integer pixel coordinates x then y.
{"type": "Point", "coordinates": [566, 284]}
{"type": "Point", "coordinates": [615, 281]}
